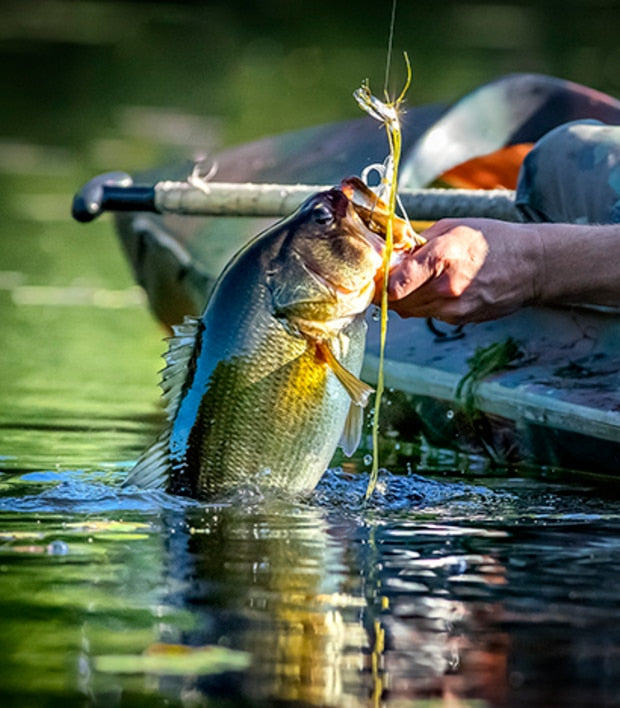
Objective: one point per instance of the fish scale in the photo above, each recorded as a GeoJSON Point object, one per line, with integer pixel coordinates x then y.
{"type": "Point", "coordinates": [306, 407]}
{"type": "Point", "coordinates": [264, 385]}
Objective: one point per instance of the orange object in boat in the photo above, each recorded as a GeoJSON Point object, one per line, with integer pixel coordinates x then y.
{"type": "Point", "coordinates": [492, 171]}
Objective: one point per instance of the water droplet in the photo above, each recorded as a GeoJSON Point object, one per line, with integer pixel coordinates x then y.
{"type": "Point", "coordinates": [458, 567]}
{"type": "Point", "coordinates": [449, 414]}
{"type": "Point", "coordinates": [367, 460]}
{"type": "Point", "coordinates": [58, 548]}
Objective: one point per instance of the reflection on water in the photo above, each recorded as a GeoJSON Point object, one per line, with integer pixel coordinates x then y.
{"type": "Point", "coordinates": [457, 585]}
{"type": "Point", "coordinates": [312, 603]}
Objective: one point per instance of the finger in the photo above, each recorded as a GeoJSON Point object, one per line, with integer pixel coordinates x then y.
{"type": "Point", "coordinates": [420, 297]}
{"type": "Point", "coordinates": [423, 302]}
{"type": "Point", "coordinates": [410, 274]}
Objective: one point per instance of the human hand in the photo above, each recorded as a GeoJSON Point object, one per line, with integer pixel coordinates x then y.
{"type": "Point", "coordinates": [470, 270]}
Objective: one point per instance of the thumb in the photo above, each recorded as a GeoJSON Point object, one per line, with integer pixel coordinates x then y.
{"type": "Point", "coordinates": [413, 271]}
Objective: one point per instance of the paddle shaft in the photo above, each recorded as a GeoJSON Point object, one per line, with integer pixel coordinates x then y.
{"type": "Point", "coordinates": [116, 192]}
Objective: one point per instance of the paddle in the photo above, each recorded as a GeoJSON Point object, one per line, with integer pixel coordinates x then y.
{"type": "Point", "coordinates": [115, 191]}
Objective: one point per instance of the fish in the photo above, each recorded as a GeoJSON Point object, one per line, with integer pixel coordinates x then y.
{"type": "Point", "coordinates": [263, 387]}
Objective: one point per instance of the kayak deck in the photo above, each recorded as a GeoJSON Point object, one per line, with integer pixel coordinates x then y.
{"type": "Point", "coordinates": [558, 404]}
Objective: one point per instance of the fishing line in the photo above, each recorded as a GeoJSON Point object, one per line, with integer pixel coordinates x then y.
{"type": "Point", "coordinates": [386, 112]}
{"type": "Point", "coordinates": [388, 60]}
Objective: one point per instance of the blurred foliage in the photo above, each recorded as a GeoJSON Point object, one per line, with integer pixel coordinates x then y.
{"type": "Point", "coordinates": [271, 65]}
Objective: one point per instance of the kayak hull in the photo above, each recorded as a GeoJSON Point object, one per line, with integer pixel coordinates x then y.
{"type": "Point", "coordinates": [557, 404]}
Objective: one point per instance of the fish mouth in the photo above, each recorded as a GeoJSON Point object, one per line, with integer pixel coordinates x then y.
{"type": "Point", "coordinates": [375, 215]}
{"type": "Point", "coordinates": [368, 215]}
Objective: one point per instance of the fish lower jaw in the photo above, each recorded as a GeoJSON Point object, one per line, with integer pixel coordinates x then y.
{"type": "Point", "coordinates": [322, 330]}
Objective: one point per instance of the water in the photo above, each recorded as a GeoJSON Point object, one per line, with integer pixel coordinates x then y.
{"type": "Point", "coordinates": [502, 592]}
{"type": "Point", "coordinates": [459, 584]}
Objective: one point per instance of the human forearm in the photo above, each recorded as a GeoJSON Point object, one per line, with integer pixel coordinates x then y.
{"type": "Point", "coordinates": [579, 263]}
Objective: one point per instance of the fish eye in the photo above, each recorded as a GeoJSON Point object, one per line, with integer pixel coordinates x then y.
{"type": "Point", "coordinates": [322, 215]}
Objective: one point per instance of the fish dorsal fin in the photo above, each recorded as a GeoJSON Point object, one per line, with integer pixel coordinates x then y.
{"type": "Point", "coordinates": [152, 469]}
{"type": "Point", "coordinates": [358, 391]}
{"type": "Point", "coordinates": [178, 356]}
{"type": "Point", "coordinates": [352, 432]}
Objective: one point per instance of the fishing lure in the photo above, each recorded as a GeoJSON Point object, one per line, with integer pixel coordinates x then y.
{"type": "Point", "coordinates": [387, 112]}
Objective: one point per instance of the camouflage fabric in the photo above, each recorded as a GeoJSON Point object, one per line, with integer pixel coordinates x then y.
{"type": "Point", "coordinates": [573, 175]}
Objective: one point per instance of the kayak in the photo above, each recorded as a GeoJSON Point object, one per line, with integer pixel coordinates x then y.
{"type": "Point", "coordinates": [552, 396]}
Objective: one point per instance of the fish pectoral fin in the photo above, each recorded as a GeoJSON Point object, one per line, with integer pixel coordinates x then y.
{"type": "Point", "coordinates": [352, 432]}
{"type": "Point", "coordinates": [358, 391]}
{"type": "Point", "coordinates": [151, 471]}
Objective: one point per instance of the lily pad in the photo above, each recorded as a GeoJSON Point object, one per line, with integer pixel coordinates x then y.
{"type": "Point", "coordinates": [176, 660]}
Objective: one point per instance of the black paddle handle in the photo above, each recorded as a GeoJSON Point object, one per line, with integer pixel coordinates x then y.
{"type": "Point", "coordinates": [112, 191]}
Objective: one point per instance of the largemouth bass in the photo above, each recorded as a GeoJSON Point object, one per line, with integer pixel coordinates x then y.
{"type": "Point", "coordinates": [262, 388]}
